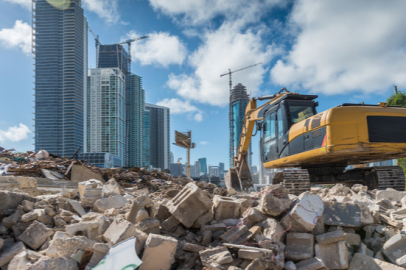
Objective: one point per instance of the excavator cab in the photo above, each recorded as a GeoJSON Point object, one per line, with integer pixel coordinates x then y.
{"type": "Point", "coordinates": [277, 120]}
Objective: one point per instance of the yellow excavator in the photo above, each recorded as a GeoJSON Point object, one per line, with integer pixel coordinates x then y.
{"type": "Point", "coordinates": [316, 148]}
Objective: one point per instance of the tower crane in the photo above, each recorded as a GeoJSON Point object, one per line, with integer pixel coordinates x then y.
{"type": "Point", "coordinates": [96, 38]}
{"type": "Point", "coordinates": [229, 72]}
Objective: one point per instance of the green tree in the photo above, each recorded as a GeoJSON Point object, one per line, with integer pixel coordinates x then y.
{"type": "Point", "coordinates": [398, 99]}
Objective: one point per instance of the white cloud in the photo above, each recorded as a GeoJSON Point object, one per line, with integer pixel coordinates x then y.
{"type": "Point", "coordinates": [178, 106]}
{"type": "Point", "coordinates": [198, 117]}
{"type": "Point", "coordinates": [18, 36]}
{"type": "Point", "coordinates": [105, 9]}
{"type": "Point", "coordinates": [345, 46]}
{"type": "Point", "coordinates": [160, 48]}
{"type": "Point", "coordinates": [199, 12]}
{"type": "Point", "coordinates": [204, 142]}
{"type": "Point", "coordinates": [14, 134]}
{"type": "Point", "coordinates": [224, 48]}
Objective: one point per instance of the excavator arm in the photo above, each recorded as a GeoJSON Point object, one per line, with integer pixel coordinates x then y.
{"type": "Point", "coordinates": [239, 177]}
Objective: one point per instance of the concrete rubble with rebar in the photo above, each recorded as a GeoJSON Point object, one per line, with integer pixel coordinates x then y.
{"type": "Point", "coordinates": [182, 224]}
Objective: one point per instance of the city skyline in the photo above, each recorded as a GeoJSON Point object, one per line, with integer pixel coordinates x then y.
{"type": "Point", "coordinates": [188, 49]}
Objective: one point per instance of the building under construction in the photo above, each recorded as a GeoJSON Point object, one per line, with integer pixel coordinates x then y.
{"type": "Point", "coordinates": [238, 102]}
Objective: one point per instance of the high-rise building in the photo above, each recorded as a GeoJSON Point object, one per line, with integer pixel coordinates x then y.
{"type": "Point", "coordinates": [221, 165]}
{"type": "Point", "coordinates": [136, 134]}
{"type": "Point", "coordinates": [113, 55]}
{"type": "Point", "coordinates": [198, 170]}
{"type": "Point", "coordinates": [60, 48]}
{"type": "Point", "coordinates": [177, 169]}
{"type": "Point", "coordinates": [131, 107]}
{"type": "Point", "coordinates": [159, 144]}
{"type": "Point", "coordinates": [145, 148]}
{"type": "Point", "coordinates": [238, 102]}
{"type": "Point", "coordinates": [203, 165]}
{"type": "Point", "coordinates": [171, 160]}
{"type": "Point", "coordinates": [214, 171]}
{"type": "Point", "coordinates": [106, 117]}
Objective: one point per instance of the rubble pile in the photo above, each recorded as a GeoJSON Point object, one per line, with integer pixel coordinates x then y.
{"type": "Point", "coordinates": [190, 228]}
{"type": "Point", "coordinates": [151, 220]}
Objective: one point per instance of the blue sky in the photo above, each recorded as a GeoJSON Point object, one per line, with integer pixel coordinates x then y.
{"type": "Point", "coordinates": [344, 51]}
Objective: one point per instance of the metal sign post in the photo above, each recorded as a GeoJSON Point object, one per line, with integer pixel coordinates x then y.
{"type": "Point", "coordinates": [184, 140]}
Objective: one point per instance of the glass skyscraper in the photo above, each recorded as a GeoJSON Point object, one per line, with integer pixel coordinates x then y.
{"type": "Point", "coordinates": [203, 165]}
{"type": "Point", "coordinates": [60, 48]}
{"type": "Point", "coordinates": [238, 102]}
{"type": "Point", "coordinates": [159, 144]}
{"type": "Point", "coordinates": [136, 110]}
{"type": "Point", "coordinates": [145, 142]}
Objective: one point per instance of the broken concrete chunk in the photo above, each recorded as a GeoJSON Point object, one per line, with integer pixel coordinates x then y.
{"type": "Point", "coordinates": [250, 254]}
{"type": "Point", "coordinates": [233, 234]}
{"type": "Point", "coordinates": [55, 263]}
{"type": "Point", "coordinates": [360, 261]}
{"type": "Point", "coordinates": [121, 230]}
{"type": "Point", "coordinates": [215, 256]}
{"type": "Point", "coordinates": [289, 265]}
{"type": "Point", "coordinates": [149, 226]}
{"type": "Point", "coordinates": [395, 248]}
{"type": "Point", "coordinates": [103, 204]}
{"type": "Point", "coordinates": [7, 255]}
{"type": "Point", "coordinates": [90, 196]}
{"type": "Point", "coordinates": [193, 247]}
{"type": "Point", "coordinates": [204, 219]}
{"type": "Point", "coordinates": [308, 208]}
{"type": "Point", "coordinates": [190, 203]}
{"type": "Point", "coordinates": [225, 208]}
{"type": "Point", "coordinates": [92, 183]}
{"type": "Point", "coordinates": [273, 230]}
{"type": "Point", "coordinates": [81, 173]}
{"type": "Point", "coordinates": [159, 252]}
{"type": "Point", "coordinates": [206, 239]}
{"type": "Point", "coordinates": [110, 188]}
{"type": "Point", "coordinates": [253, 216]}
{"type": "Point", "coordinates": [248, 235]}
{"type": "Point", "coordinates": [35, 235]}
{"type": "Point", "coordinates": [13, 219]}
{"type": "Point", "coordinates": [353, 239]}
{"type": "Point", "coordinates": [77, 207]}
{"type": "Point", "coordinates": [29, 216]}
{"type": "Point", "coordinates": [342, 214]}
{"type": "Point", "coordinates": [331, 237]}
{"type": "Point", "coordinates": [310, 264]}
{"type": "Point", "coordinates": [27, 206]}
{"type": "Point", "coordinates": [20, 262]}
{"type": "Point", "coordinates": [299, 246]}
{"type": "Point", "coordinates": [65, 247]}
{"type": "Point", "coordinates": [334, 255]}
{"type": "Point", "coordinates": [99, 251]}
{"type": "Point", "coordinates": [88, 229]}
{"type": "Point", "coordinates": [10, 200]}
{"type": "Point", "coordinates": [170, 224]}
{"type": "Point", "coordinates": [364, 250]}
{"type": "Point", "coordinates": [256, 264]}
{"type": "Point", "coordinates": [274, 200]}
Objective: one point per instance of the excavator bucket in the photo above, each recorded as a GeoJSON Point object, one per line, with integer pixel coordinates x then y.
{"type": "Point", "coordinates": [239, 178]}
{"type": "Point", "coordinates": [232, 180]}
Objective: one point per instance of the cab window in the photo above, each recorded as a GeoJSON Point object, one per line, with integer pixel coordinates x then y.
{"type": "Point", "coordinates": [269, 130]}
{"type": "Point", "coordinates": [280, 123]}
{"type": "Point", "coordinates": [300, 112]}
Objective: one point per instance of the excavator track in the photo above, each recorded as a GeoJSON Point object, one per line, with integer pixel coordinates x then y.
{"type": "Point", "coordinates": [389, 177]}
{"type": "Point", "coordinates": [296, 181]}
